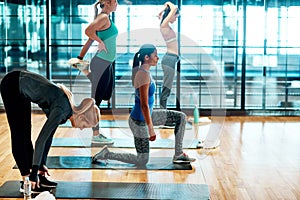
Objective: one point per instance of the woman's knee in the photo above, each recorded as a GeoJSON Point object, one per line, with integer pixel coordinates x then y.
{"type": "Point", "coordinates": [143, 159]}
{"type": "Point", "coordinates": [182, 116]}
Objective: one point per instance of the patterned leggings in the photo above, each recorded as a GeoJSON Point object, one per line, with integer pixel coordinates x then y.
{"type": "Point", "coordinates": [141, 136]}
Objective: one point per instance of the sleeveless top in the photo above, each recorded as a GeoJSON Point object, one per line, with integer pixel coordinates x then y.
{"type": "Point", "coordinates": [136, 112]}
{"type": "Point", "coordinates": [108, 36]}
{"type": "Point", "coordinates": [170, 36]}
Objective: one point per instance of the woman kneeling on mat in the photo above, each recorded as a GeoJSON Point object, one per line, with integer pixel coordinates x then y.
{"type": "Point", "coordinates": [143, 117]}
{"type": "Point", "coordinates": [19, 89]}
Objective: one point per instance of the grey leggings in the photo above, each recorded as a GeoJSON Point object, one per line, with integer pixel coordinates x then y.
{"type": "Point", "coordinates": [141, 136]}
{"type": "Point", "coordinates": [168, 63]}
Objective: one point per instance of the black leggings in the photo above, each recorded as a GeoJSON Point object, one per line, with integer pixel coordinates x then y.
{"type": "Point", "coordinates": [102, 79]}
{"type": "Point", "coordinates": [18, 112]}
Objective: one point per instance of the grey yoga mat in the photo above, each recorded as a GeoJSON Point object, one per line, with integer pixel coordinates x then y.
{"type": "Point", "coordinates": [115, 190]}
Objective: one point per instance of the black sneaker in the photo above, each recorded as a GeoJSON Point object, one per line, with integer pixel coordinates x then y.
{"type": "Point", "coordinates": [44, 182]}
{"type": "Point", "coordinates": [36, 190]}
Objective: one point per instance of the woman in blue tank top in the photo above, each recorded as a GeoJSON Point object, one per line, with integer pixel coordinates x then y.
{"type": "Point", "coordinates": [143, 117]}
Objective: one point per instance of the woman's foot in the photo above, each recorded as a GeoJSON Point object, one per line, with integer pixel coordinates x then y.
{"type": "Point", "coordinates": [101, 139]}
{"type": "Point", "coordinates": [44, 182]}
{"type": "Point", "coordinates": [183, 159]}
{"type": "Point", "coordinates": [82, 65]}
{"type": "Point", "coordinates": [101, 155]}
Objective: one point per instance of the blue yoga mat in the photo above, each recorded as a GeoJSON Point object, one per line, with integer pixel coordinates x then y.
{"type": "Point", "coordinates": [119, 124]}
{"type": "Point", "coordinates": [85, 162]}
{"type": "Point", "coordinates": [121, 143]}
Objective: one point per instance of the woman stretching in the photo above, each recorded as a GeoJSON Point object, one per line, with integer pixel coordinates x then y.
{"type": "Point", "coordinates": [143, 117]}
{"type": "Point", "coordinates": [18, 90]}
{"type": "Point", "coordinates": [101, 73]}
{"type": "Point", "coordinates": [168, 16]}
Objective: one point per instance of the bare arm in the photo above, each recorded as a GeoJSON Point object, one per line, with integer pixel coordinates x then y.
{"type": "Point", "coordinates": [100, 23]}
{"type": "Point", "coordinates": [86, 47]}
{"type": "Point", "coordinates": [166, 21]}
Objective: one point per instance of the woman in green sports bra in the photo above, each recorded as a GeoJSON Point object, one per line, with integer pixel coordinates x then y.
{"type": "Point", "coordinates": [101, 72]}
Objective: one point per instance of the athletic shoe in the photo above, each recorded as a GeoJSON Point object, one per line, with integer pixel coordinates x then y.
{"type": "Point", "coordinates": [201, 145]}
{"type": "Point", "coordinates": [46, 183]}
{"type": "Point", "coordinates": [101, 155]}
{"type": "Point", "coordinates": [101, 139]}
{"type": "Point", "coordinates": [183, 159]}
{"type": "Point", "coordinates": [79, 64]}
{"type": "Point", "coordinates": [36, 190]}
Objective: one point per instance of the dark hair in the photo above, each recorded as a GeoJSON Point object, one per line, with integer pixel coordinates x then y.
{"type": "Point", "coordinates": [166, 13]}
{"type": "Point", "coordinates": [145, 50]}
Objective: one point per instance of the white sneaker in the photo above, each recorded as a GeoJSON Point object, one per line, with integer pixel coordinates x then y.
{"type": "Point", "coordinates": [101, 139]}
{"type": "Point", "coordinates": [79, 64]}
{"type": "Point", "coordinates": [204, 145]}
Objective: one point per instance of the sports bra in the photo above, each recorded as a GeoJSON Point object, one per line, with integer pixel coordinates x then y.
{"type": "Point", "coordinates": [170, 40]}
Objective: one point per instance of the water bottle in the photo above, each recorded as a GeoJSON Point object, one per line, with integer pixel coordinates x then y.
{"type": "Point", "coordinates": [196, 115]}
{"type": "Point", "coordinates": [27, 188]}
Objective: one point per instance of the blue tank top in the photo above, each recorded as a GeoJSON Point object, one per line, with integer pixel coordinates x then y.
{"type": "Point", "coordinates": [109, 37]}
{"type": "Point", "coordinates": [136, 112]}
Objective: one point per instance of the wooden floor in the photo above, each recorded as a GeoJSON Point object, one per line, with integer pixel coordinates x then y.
{"type": "Point", "coordinates": [259, 158]}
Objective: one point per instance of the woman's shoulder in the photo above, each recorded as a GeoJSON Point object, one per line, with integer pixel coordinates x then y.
{"type": "Point", "coordinates": [142, 77]}
{"type": "Point", "coordinates": [143, 74]}
{"type": "Point", "coordinates": [102, 18]}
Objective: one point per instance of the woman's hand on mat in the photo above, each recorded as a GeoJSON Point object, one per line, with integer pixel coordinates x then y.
{"type": "Point", "coordinates": [35, 185]}
{"type": "Point", "coordinates": [44, 171]}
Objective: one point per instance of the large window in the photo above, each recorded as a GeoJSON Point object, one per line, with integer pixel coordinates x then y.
{"type": "Point", "coordinates": [237, 55]}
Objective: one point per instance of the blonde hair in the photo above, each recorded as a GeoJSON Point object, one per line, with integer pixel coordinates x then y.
{"type": "Point", "coordinates": [87, 107]}
{"type": "Point", "coordinates": [90, 111]}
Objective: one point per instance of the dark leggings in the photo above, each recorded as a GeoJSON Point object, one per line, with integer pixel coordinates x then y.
{"type": "Point", "coordinates": [102, 80]}
{"type": "Point", "coordinates": [18, 112]}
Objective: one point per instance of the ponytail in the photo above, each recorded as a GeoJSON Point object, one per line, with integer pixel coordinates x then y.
{"type": "Point", "coordinates": [135, 66]}
{"type": "Point", "coordinates": [166, 12]}
{"type": "Point", "coordinates": [96, 10]}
